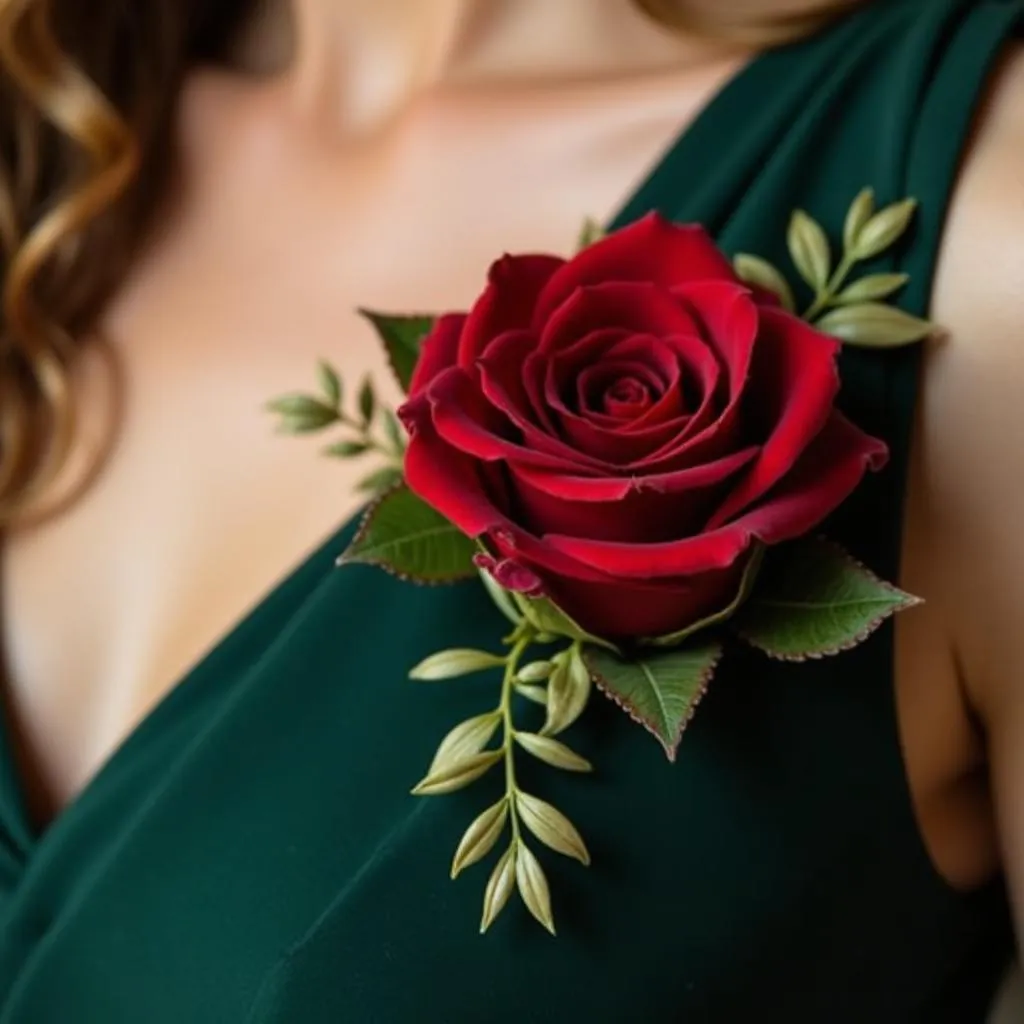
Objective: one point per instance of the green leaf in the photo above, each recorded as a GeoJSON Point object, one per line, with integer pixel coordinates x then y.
{"type": "Point", "coordinates": [809, 249]}
{"type": "Point", "coordinates": [551, 752]}
{"type": "Point", "coordinates": [454, 663]}
{"type": "Point", "coordinates": [465, 740]}
{"type": "Point", "coordinates": [298, 405]}
{"type": "Point", "coordinates": [394, 432]}
{"type": "Point", "coordinates": [480, 837]}
{"type": "Point", "coordinates": [874, 325]}
{"type": "Point", "coordinates": [568, 692]}
{"type": "Point", "coordinates": [757, 271]}
{"type": "Point", "coordinates": [406, 537]}
{"type": "Point", "coordinates": [384, 479]}
{"type": "Point", "coordinates": [535, 672]}
{"type": "Point", "coordinates": [457, 775]}
{"type": "Point", "coordinates": [883, 229]}
{"type": "Point", "coordinates": [537, 694]}
{"type": "Point", "coordinates": [546, 617]}
{"type": "Point", "coordinates": [590, 233]}
{"type": "Point", "coordinates": [860, 212]}
{"type": "Point", "coordinates": [871, 288]}
{"type": "Point", "coordinates": [746, 585]}
{"type": "Point", "coordinates": [501, 597]}
{"type": "Point", "coordinates": [367, 402]}
{"type": "Point", "coordinates": [533, 886]}
{"type": "Point", "coordinates": [347, 449]}
{"type": "Point", "coordinates": [658, 690]}
{"type": "Point", "coordinates": [302, 414]}
{"type": "Point", "coordinates": [330, 383]}
{"type": "Point", "coordinates": [551, 827]}
{"type": "Point", "coordinates": [814, 600]}
{"type": "Point", "coordinates": [499, 887]}
{"type": "Point", "coordinates": [403, 338]}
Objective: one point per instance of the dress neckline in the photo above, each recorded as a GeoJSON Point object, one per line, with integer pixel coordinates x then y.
{"type": "Point", "coordinates": [684, 159]}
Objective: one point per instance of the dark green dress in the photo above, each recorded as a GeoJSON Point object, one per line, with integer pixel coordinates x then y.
{"type": "Point", "coordinates": [252, 853]}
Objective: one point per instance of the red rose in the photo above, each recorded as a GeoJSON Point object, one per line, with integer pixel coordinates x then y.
{"type": "Point", "coordinates": [621, 427]}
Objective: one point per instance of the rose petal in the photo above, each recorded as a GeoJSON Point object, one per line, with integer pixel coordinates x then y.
{"type": "Point", "coordinates": [467, 421]}
{"type": "Point", "coordinates": [502, 382]}
{"type": "Point", "coordinates": [616, 392]}
{"type": "Point", "coordinates": [457, 486]}
{"type": "Point", "coordinates": [615, 488]}
{"type": "Point", "coordinates": [694, 383]}
{"type": "Point", "coordinates": [448, 480]}
{"type": "Point", "coordinates": [514, 543]}
{"type": "Point", "coordinates": [639, 510]}
{"type": "Point", "coordinates": [626, 609]}
{"type": "Point", "coordinates": [825, 476]}
{"type": "Point", "coordinates": [651, 250]}
{"type": "Point", "coordinates": [653, 353]}
{"type": "Point", "coordinates": [729, 321]}
{"type": "Point", "coordinates": [439, 351]}
{"type": "Point", "coordinates": [501, 374]}
{"type": "Point", "coordinates": [639, 306]}
{"type": "Point", "coordinates": [537, 366]}
{"type": "Point", "coordinates": [715, 428]}
{"type": "Point", "coordinates": [511, 575]}
{"type": "Point", "coordinates": [620, 444]}
{"type": "Point", "coordinates": [657, 442]}
{"type": "Point", "coordinates": [644, 354]}
{"type": "Point", "coordinates": [793, 385]}
{"type": "Point", "coordinates": [660, 429]}
{"type": "Point", "coordinates": [598, 351]}
{"type": "Point", "coordinates": [507, 303]}
{"type": "Point", "coordinates": [630, 396]}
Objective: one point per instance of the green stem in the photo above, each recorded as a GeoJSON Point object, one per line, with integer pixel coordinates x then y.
{"type": "Point", "coordinates": [824, 298]}
{"type": "Point", "coordinates": [523, 639]}
{"type": "Point", "coordinates": [394, 455]}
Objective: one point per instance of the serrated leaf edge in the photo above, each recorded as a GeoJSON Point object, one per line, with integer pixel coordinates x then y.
{"type": "Point", "coordinates": [365, 524]}
{"type": "Point", "coordinates": [907, 601]}
{"type": "Point", "coordinates": [372, 315]}
{"type": "Point", "coordinates": [671, 749]}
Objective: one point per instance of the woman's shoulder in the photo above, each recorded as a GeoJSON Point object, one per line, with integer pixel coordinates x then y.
{"type": "Point", "coordinates": [971, 432]}
{"type": "Point", "coordinates": [969, 475]}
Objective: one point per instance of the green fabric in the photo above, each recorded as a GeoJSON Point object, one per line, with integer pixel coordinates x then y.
{"type": "Point", "coordinates": [251, 853]}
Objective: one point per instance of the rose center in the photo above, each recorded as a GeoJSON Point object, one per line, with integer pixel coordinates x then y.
{"type": "Point", "coordinates": [626, 398]}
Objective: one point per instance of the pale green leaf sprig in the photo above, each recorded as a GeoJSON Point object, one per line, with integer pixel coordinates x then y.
{"type": "Point", "coordinates": [802, 600]}
{"type": "Point", "coordinates": [372, 428]}
{"type": "Point", "coordinates": [562, 685]}
{"type": "Point", "coordinates": [805, 599]}
{"type": "Point", "coordinates": [853, 311]}
{"type": "Point", "coordinates": [590, 233]}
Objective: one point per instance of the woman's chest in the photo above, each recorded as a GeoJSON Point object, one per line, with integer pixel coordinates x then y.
{"type": "Point", "coordinates": [273, 241]}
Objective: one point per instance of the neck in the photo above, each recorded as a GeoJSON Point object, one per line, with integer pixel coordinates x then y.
{"type": "Point", "coordinates": [363, 62]}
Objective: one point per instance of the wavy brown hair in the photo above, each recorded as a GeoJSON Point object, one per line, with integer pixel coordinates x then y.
{"type": "Point", "coordinates": [88, 90]}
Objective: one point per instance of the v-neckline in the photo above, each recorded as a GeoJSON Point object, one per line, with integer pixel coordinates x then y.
{"type": "Point", "coordinates": [686, 153]}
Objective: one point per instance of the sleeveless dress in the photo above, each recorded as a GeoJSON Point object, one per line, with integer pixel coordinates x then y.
{"type": "Point", "coordinates": [251, 853]}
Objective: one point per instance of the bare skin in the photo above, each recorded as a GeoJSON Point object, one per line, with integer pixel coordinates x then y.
{"type": "Point", "coordinates": [456, 131]}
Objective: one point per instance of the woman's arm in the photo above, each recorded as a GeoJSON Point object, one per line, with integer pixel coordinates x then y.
{"type": "Point", "coordinates": [971, 442]}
